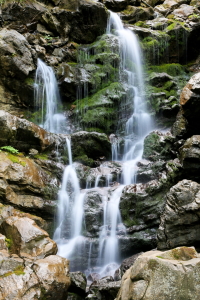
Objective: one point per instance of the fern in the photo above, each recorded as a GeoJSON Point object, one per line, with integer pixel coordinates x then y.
{"type": "Point", "coordinates": [10, 149]}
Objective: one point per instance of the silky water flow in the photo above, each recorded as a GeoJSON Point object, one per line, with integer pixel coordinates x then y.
{"type": "Point", "coordinates": [69, 234]}
{"type": "Point", "coordinates": [47, 99]}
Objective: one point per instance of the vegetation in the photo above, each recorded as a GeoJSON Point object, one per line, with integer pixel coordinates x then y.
{"type": "Point", "coordinates": [10, 149]}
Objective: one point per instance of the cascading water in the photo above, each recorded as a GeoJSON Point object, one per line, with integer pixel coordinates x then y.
{"type": "Point", "coordinates": [140, 122]}
{"type": "Point", "coordinates": [47, 99]}
{"type": "Point", "coordinates": [70, 224]}
{"type": "Point", "coordinates": [70, 209]}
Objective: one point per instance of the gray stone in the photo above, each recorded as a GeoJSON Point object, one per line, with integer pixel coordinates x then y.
{"type": "Point", "coordinates": [180, 219]}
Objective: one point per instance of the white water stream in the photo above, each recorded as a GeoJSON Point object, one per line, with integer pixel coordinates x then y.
{"type": "Point", "coordinates": [47, 99]}
{"type": "Point", "coordinates": [71, 199]}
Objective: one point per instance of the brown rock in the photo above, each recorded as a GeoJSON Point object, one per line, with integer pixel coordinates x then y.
{"type": "Point", "coordinates": [27, 237]}
{"type": "Point", "coordinates": [53, 274]}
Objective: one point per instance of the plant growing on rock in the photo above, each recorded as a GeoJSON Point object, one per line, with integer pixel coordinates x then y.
{"type": "Point", "coordinates": [10, 149]}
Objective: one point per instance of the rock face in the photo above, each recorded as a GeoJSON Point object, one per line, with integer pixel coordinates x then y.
{"type": "Point", "coordinates": [15, 54]}
{"type": "Point", "coordinates": [190, 153]}
{"type": "Point", "coordinates": [189, 101]}
{"type": "Point", "coordinates": [180, 218]}
{"type": "Point", "coordinates": [24, 135]}
{"type": "Point", "coordinates": [174, 274]}
{"type": "Point", "coordinates": [104, 289]}
{"type": "Point", "coordinates": [20, 178]}
{"type": "Point", "coordinates": [90, 146]}
{"type": "Point", "coordinates": [27, 238]}
{"type": "Point", "coordinates": [46, 278]}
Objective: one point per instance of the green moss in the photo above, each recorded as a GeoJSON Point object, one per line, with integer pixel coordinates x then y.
{"type": "Point", "coordinates": [100, 110]}
{"type": "Point", "coordinates": [19, 271]}
{"type": "Point", "coordinates": [16, 159]}
{"type": "Point", "coordinates": [41, 156]}
{"type": "Point", "coordinates": [29, 81]}
{"type": "Point", "coordinates": [141, 24]}
{"type": "Point", "coordinates": [85, 160]}
{"type": "Point", "coordinates": [9, 243]}
{"type": "Point", "coordinates": [171, 69]}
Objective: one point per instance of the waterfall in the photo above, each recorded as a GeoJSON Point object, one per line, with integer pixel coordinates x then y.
{"type": "Point", "coordinates": [70, 222]}
{"type": "Point", "coordinates": [140, 122]}
{"type": "Point", "coordinates": [47, 99]}
{"type": "Point", "coordinates": [70, 209]}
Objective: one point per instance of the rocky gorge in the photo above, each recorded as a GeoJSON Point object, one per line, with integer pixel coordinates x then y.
{"type": "Point", "coordinates": [158, 221]}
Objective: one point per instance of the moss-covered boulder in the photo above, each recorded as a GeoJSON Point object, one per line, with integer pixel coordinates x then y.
{"type": "Point", "coordinates": [90, 146]}
{"type": "Point", "coordinates": [158, 145]}
{"type": "Point", "coordinates": [132, 14]}
{"type": "Point", "coordinates": [100, 111]}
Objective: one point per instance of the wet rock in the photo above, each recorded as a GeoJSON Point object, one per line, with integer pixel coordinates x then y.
{"type": "Point", "coordinates": [24, 135]}
{"type": "Point", "coordinates": [53, 275]}
{"type": "Point", "coordinates": [26, 185]}
{"type": "Point", "coordinates": [89, 146]}
{"type": "Point", "coordinates": [125, 265]}
{"type": "Point", "coordinates": [105, 289]}
{"type": "Point", "coordinates": [27, 237]}
{"type": "Point", "coordinates": [132, 14]}
{"type": "Point", "coordinates": [180, 126]}
{"type": "Point", "coordinates": [190, 154]}
{"type": "Point", "coordinates": [78, 283]}
{"type": "Point", "coordinates": [141, 280]}
{"type": "Point", "coordinates": [116, 5]}
{"type": "Point", "coordinates": [159, 79]}
{"type": "Point", "coordinates": [180, 218]}
{"type": "Point", "coordinates": [189, 101]}
{"type": "Point", "coordinates": [15, 54]}
{"type": "Point", "coordinates": [158, 145]}
{"type": "Point", "coordinates": [104, 175]}
{"type": "Point", "coordinates": [141, 206]}
{"type": "Point", "coordinates": [93, 212]}
{"type": "Point", "coordinates": [169, 5]}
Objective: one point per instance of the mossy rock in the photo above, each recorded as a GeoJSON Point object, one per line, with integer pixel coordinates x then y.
{"type": "Point", "coordinates": [100, 110]}
{"type": "Point", "coordinates": [89, 146]}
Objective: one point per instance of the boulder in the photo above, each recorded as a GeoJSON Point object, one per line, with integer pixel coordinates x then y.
{"type": "Point", "coordinates": [53, 275]}
{"type": "Point", "coordinates": [132, 14]}
{"type": "Point", "coordinates": [180, 218]}
{"type": "Point", "coordinates": [189, 101]}
{"type": "Point", "coordinates": [27, 238]}
{"type": "Point", "coordinates": [90, 146]}
{"type": "Point", "coordinates": [116, 5]}
{"type": "Point", "coordinates": [173, 274]}
{"type": "Point", "coordinates": [190, 154]}
{"type": "Point", "coordinates": [141, 205]}
{"type": "Point", "coordinates": [24, 135]}
{"type": "Point", "coordinates": [46, 278]}
{"type": "Point", "coordinates": [158, 145]}
{"type": "Point", "coordinates": [78, 283]}
{"type": "Point", "coordinates": [20, 178]}
{"type": "Point", "coordinates": [104, 289]}
{"type": "Point", "coordinates": [15, 54]}
{"type": "Point", "coordinates": [125, 265]}
{"type": "Point", "coordinates": [169, 5]}
{"type": "Point", "coordinates": [159, 79]}
{"type": "Point", "coordinates": [20, 284]}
